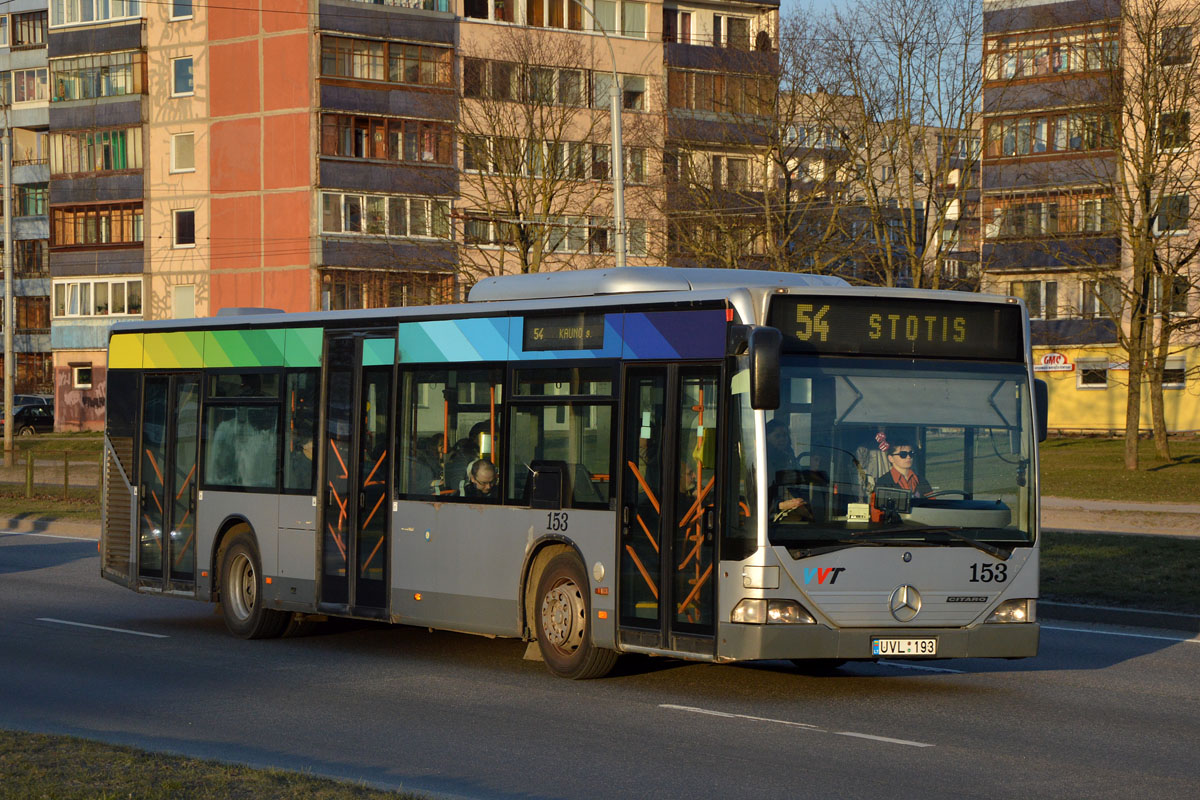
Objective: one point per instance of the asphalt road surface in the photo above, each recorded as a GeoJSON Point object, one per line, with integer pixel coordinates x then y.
{"type": "Point", "coordinates": [1102, 712]}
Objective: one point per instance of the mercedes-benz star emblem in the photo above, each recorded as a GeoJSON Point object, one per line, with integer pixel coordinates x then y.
{"type": "Point", "coordinates": [905, 603]}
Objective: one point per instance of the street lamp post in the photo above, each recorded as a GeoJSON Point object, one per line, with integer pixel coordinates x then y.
{"type": "Point", "coordinates": [618, 155]}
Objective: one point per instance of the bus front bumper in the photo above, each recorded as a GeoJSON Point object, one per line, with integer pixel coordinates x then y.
{"type": "Point", "coordinates": [738, 642]}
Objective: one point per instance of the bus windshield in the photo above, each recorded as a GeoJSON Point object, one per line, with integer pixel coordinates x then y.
{"type": "Point", "coordinates": [883, 451]}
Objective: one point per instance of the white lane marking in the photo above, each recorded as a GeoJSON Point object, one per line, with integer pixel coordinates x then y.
{"type": "Point", "coordinates": [886, 739]}
{"type": "Point", "coordinates": [903, 665]}
{"type": "Point", "coordinates": [790, 724]}
{"type": "Point", "coordinates": [1193, 640]}
{"type": "Point", "coordinates": [102, 628]}
{"type": "Point", "coordinates": [48, 535]}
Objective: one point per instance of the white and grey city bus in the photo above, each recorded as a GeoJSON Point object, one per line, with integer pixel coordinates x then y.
{"type": "Point", "coordinates": [705, 464]}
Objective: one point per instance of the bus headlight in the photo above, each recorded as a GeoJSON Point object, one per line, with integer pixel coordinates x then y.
{"type": "Point", "coordinates": [759, 611]}
{"type": "Point", "coordinates": [1013, 611]}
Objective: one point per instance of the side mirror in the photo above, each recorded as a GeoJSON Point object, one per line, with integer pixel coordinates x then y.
{"type": "Point", "coordinates": [1041, 402]}
{"type": "Point", "coordinates": [766, 344]}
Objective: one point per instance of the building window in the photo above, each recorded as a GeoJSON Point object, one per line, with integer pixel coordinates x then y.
{"type": "Point", "coordinates": [183, 299]}
{"type": "Point", "coordinates": [348, 289]}
{"type": "Point", "coordinates": [3, 30]}
{"type": "Point", "coordinates": [95, 151]}
{"type": "Point", "coordinates": [1101, 299]}
{"type": "Point", "coordinates": [100, 297]}
{"type": "Point", "coordinates": [1176, 302]}
{"type": "Point", "coordinates": [29, 257]}
{"type": "Point", "coordinates": [1092, 373]}
{"type": "Point", "coordinates": [31, 199]}
{"type": "Point", "coordinates": [381, 215]}
{"type": "Point", "coordinates": [184, 228]}
{"type": "Point", "coordinates": [1172, 217]}
{"type": "Point", "coordinates": [79, 226]}
{"type": "Point", "coordinates": [29, 30]}
{"type": "Point", "coordinates": [734, 94]}
{"type": "Point", "coordinates": [1174, 130]}
{"type": "Point", "coordinates": [1175, 46]}
{"type": "Point", "coordinates": [1174, 374]}
{"type": "Point", "coordinates": [181, 77]}
{"type": "Point", "coordinates": [86, 12]}
{"type": "Point", "coordinates": [499, 10]}
{"type": "Point", "coordinates": [1041, 297]}
{"type": "Point", "coordinates": [394, 62]}
{"type": "Point", "coordinates": [81, 377]}
{"type": "Point", "coordinates": [386, 139]}
{"type": "Point", "coordinates": [30, 85]}
{"type": "Point", "coordinates": [677, 26]}
{"type": "Point", "coordinates": [89, 77]}
{"type": "Point", "coordinates": [183, 152]}
{"type": "Point", "coordinates": [181, 9]}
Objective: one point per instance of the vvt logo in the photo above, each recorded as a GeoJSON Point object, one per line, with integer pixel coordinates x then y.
{"type": "Point", "coordinates": [822, 574]}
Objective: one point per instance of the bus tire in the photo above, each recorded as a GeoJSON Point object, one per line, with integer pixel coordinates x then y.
{"type": "Point", "coordinates": [563, 622]}
{"type": "Point", "coordinates": [242, 601]}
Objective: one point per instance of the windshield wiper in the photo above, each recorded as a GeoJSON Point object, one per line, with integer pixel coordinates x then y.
{"type": "Point", "coordinates": [842, 544]}
{"type": "Point", "coordinates": [950, 532]}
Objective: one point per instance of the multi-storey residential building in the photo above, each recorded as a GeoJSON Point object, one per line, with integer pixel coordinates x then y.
{"type": "Point", "coordinates": [24, 103]}
{"type": "Point", "coordinates": [1059, 119]}
{"type": "Point", "coordinates": [97, 53]}
{"type": "Point", "coordinates": [355, 154]}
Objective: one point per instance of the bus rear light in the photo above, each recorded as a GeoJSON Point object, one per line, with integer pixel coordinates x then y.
{"type": "Point", "coordinates": [1013, 611]}
{"type": "Point", "coordinates": [760, 611]}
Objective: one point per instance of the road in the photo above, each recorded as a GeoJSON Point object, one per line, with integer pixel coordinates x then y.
{"type": "Point", "coordinates": [1102, 712]}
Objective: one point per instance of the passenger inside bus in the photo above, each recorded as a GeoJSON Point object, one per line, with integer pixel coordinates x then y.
{"type": "Point", "coordinates": [482, 482]}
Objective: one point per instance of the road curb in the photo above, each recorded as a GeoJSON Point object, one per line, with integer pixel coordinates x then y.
{"type": "Point", "coordinates": [1110, 615]}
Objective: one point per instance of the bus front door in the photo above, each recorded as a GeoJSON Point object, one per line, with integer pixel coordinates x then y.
{"type": "Point", "coordinates": [167, 482]}
{"type": "Point", "coordinates": [668, 512]}
{"type": "Point", "coordinates": [356, 473]}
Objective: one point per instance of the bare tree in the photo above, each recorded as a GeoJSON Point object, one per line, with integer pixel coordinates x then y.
{"type": "Point", "coordinates": [915, 66]}
{"type": "Point", "coordinates": [535, 178]}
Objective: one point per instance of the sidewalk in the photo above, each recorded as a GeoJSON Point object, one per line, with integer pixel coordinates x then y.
{"type": "Point", "coordinates": [1109, 516]}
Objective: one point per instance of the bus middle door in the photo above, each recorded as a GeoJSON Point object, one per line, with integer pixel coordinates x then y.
{"type": "Point", "coordinates": [668, 509]}
{"type": "Point", "coordinates": [356, 473]}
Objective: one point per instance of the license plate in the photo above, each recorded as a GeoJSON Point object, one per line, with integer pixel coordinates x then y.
{"type": "Point", "coordinates": [904, 647]}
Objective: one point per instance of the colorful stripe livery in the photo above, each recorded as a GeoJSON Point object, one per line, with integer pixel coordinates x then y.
{"type": "Point", "coordinates": [632, 335]}
{"type": "Point", "coordinates": [272, 347]}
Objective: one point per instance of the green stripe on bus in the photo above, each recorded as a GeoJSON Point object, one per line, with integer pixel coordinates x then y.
{"type": "Point", "coordinates": [220, 349]}
{"type": "Point", "coordinates": [175, 350]}
{"type": "Point", "coordinates": [378, 352]}
{"type": "Point", "coordinates": [244, 348]}
{"type": "Point", "coordinates": [303, 347]}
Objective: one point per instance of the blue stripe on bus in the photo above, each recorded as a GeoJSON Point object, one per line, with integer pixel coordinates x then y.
{"type": "Point", "coordinates": [632, 335]}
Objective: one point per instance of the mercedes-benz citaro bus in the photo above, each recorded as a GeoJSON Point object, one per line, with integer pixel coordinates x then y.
{"type": "Point", "coordinates": [718, 465]}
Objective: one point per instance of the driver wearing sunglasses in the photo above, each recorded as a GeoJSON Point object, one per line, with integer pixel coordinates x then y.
{"type": "Point", "coordinates": [901, 455]}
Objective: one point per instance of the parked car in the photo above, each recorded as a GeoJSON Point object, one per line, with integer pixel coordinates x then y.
{"type": "Point", "coordinates": [33, 400]}
{"type": "Point", "coordinates": [30, 419]}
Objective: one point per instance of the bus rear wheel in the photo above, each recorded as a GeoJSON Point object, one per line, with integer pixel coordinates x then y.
{"type": "Point", "coordinates": [563, 622]}
{"type": "Point", "coordinates": [242, 601]}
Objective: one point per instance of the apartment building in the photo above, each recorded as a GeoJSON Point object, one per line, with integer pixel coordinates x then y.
{"type": "Point", "coordinates": [1057, 123]}
{"type": "Point", "coordinates": [349, 154]}
{"type": "Point", "coordinates": [24, 102]}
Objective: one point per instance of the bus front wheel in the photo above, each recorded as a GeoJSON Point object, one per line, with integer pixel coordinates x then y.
{"type": "Point", "coordinates": [563, 622]}
{"type": "Point", "coordinates": [242, 601]}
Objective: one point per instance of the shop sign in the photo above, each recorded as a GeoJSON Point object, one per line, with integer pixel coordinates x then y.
{"type": "Point", "coordinates": [1053, 362]}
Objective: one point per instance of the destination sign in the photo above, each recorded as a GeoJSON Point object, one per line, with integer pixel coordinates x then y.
{"type": "Point", "coordinates": [898, 326]}
{"type": "Point", "coordinates": [564, 332]}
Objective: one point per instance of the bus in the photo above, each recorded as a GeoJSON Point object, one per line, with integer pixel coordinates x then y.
{"type": "Point", "coordinates": [717, 465]}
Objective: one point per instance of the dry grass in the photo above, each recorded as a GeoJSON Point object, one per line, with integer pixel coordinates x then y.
{"type": "Point", "coordinates": [34, 766]}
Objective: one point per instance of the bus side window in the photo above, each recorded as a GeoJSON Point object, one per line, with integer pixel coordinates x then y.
{"type": "Point", "coordinates": [299, 429]}
{"type": "Point", "coordinates": [449, 418]}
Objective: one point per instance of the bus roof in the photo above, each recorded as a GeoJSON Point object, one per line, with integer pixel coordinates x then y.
{"type": "Point", "coordinates": [637, 280]}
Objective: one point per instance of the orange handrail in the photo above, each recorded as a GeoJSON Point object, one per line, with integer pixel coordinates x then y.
{"type": "Point", "coordinates": [337, 540]}
{"type": "Point", "coordinates": [345, 472]}
{"type": "Point", "coordinates": [371, 557]}
{"type": "Point", "coordinates": [186, 481]}
{"type": "Point", "coordinates": [688, 517]}
{"type": "Point", "coordinates": [367, 482]}
{"type": "Point", "coordinates": [649, 535]}
{"type": "Point", "coordinates": [645, 488]}
{"type": "Point", "coordinates": [699, 582]}
{"type": "Point", "coordinates": [637, 562]}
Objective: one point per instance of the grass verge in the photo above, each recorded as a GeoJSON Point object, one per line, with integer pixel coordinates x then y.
{"type": "Point", "coordinates": [1103, 569]}
{"type": "Point", "coordinates": [65, 768]}
{"type": "Point", "coordinates": [82, 506]}
{"type": "Point", "coordinates": [1094, 469]}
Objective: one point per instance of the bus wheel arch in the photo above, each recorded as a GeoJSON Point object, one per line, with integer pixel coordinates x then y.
{"type": "Point", "coordinates": [562, 617]}
{"type": "Point", "coordinates": [539, 556]}
{"type": "Point", "coordinates": [239, 585]}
